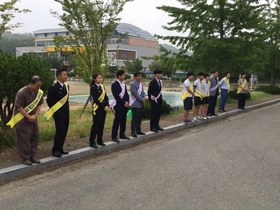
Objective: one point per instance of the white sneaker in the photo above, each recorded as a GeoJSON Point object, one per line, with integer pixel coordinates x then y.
{"type": "Point", "coordinates": [199, 118]}
{"type": "Point", "coordinates": [204, 118]}
{"type": "Point", "coordinates": [194, 119]}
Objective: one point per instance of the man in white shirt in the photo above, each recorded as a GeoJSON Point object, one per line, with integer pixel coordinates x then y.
{"type": "Point", "coordinates": [198, 86]}
{"type": "Point", "coordinates": [188, 96]}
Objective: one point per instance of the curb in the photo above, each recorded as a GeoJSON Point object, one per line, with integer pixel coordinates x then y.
{"type": "Point", "coordinates": [17, 170]}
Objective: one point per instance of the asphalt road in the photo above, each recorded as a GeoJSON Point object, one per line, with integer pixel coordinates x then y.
{"type": "Point", "coordinates": [230, 164]}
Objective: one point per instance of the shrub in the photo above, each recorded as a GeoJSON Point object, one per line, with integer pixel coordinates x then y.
{"type": "Point", "coordinates": [7, 139]}
{"type": "Point", "coordinates": [147, 109]}
{"type": "Point", "coordinates": [234, 95]}
{"type": "Point", "coordinates": [269, 89]}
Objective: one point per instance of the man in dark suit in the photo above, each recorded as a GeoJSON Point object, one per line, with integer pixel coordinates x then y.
{"type": "Point", "coordinates": [57, 92]}
{"type": "Point", "coordinates": [155, 98]}
{"type": "Point", "coordinates": [120, 105]}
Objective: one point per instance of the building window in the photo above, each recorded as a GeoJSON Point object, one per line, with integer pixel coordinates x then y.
{"type": "Point", "coordinates": [50, 43]}
{"type": "Point", "coordinates": [40, 43]}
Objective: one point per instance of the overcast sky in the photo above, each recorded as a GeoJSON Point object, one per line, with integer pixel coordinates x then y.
{"type": "Point", "coordinates": [141, 13]}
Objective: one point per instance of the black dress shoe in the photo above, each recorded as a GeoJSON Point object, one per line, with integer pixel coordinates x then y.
{"type": "Point", "coordinates": [101, 144]}
{"type": "Point", "coordinates": [116, 140]}
{"type": "Point", "coordinates": [64, 152]}
{"type": "Point", "coordinates": [124, 137]}
{"type": "Point", "coordinates": [93, 146]}
{"type": "Point", "coordinates": [57, 154]}
{"type": "Point", "coordinates": [154, 130]}
{"type": "Point", "coordinates": [160, 128]}
{"type": "Point", "coordinates": [134, 135]}
{"type": "Point", "coordinates": [141, 133]}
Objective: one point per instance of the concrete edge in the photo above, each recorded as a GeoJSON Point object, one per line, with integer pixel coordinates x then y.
{"type": "Point", "coordinates": [17, 170]}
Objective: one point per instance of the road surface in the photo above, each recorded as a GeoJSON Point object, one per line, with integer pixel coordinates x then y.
{"type": "Point", "coordinates": [230, 164]}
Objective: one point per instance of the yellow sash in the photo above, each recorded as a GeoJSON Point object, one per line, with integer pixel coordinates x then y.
{"type": "Point", "coordinates": [186, 94]}
{"type": "Point", "coordinates": [207, 94]}
{"type": "Point", "coordinates": [100, 98]}
{"type": "Point", "coordinates": [243, 85]}
{"type": "Point", "coordinates": [29, 108]}
{"type": "Point", "coordinates": [227, 82]}
{"type": "Point", "coordinates": [199, 93]}
{"type": "Point", "coordinates": [58, 105]}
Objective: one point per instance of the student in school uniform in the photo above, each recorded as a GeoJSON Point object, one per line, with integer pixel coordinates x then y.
{"type": "Point", "coordinates": [100, 106]}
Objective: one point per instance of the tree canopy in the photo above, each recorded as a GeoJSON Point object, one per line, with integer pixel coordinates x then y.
{"type": "Point", "coordinates": [133, 66]}
{"type": "Point", "coordinates": [7, 13]}
{"type": "Point", "coordinates": [221, 34]}
{"type": "Point", "coordinates": [90, 24]}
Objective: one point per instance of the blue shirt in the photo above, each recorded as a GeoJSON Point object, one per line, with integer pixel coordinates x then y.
{"type": "Point", "coordinates": [223, 84]}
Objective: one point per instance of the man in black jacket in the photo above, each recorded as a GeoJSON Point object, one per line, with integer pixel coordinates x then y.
{"type": "Point", "coordinates": [155, 98]}
{"type": "Point", "coordinates": [59, 92]}
{"type": "Point", "coordinates": [120, 105]}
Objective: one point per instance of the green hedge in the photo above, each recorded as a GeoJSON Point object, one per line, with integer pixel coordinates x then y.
{"type": "Point", "coordinates": [269, 89]}
{"type": "Point", "coordinates": [234, 95]}
{"type": "Point", "coordinates": [147, 109]}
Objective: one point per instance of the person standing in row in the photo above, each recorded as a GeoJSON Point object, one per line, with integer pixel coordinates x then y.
{"type": "Point", "coordinates": [225, 88]}
{"type": "Point", "coordinates": [214, 92]}
{"type": "Point", "coordinates": [188, 96]}
{"type": "Point", "coordinates": [205, 96]}
{"type": "Point", "coordinates": [100, 106]}
{"type": "Point", "coordinates": [242, 91]}
{"type": "Point", "coordinates": [198, 87]}
{"type": "Point", "coordinates": [57, 100]}
{"type": "Point", "coordinates": [120, 103]}
{"type": "Point", "coordinates": [27, 107]}
{"type": "Point", "coordinates": [137, 102]}
{"type": "Point", "coordinates": [155, 98]}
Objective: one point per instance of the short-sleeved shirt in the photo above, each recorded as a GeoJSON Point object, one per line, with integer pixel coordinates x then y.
{"type": "Point", "coordinates": [24, 97]}
{"type": "Point", "coordinates": [240, 82]}
{"type": "Point", "coordinates": [206, 88]}
{"type": "Point", "coordinates": [198, 86]}
{"type": "Point", "coordinates": [187, 83]}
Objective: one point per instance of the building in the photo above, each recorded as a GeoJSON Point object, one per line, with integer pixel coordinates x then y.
{"type": "Point", "coordinates": [135, 44]}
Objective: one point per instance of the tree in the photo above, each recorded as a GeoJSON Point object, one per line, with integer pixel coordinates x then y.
{"type": "Point", "coordinates": [14, 74]}
{"type": "Point", "coordinates": [9, 41]}
{"type": "Point", "coordinates": [90, 24]}
{"type": "Point", "coordinates": [273, 41]}
{"type": "Point", "coordinates": [221, 34]}
{"type": "Point", "coordinates": [133, 66]}
{"type": "Point", "coordinates": [7, 13]}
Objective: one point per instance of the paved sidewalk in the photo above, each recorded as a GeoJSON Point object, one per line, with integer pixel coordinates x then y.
{"type": "Point", "coordinates": [10, 167]}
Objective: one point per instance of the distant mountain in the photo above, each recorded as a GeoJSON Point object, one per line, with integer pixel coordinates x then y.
{"type": "Point", "coordinates": [170, 47]}
{"type": "Point", "coordinates": [173, 49]}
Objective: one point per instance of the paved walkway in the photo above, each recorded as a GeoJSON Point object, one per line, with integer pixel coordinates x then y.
{"type": "Point", "coordinates": [10, 164]}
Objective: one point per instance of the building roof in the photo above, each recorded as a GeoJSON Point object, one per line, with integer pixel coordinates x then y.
{"type": "Point", "coordinates": [122, 28]}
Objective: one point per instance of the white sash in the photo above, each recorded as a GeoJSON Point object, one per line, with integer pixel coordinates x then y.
{"type": "Point", "coordinates": [132, 99]}
{"type": "Point", "coordinates": [114, 101]}
{"type": "Point", "coordinates": [156, 98]}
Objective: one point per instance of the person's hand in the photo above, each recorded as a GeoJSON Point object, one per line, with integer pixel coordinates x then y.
{"type": "Point", "coordinates": [32, 118]}
{"type": "Point", "coordinates": [126, 104]}
{"type": "Point", "coordinates": [143, 100]}
{"type": "Point", "coordinates": [106, 108]}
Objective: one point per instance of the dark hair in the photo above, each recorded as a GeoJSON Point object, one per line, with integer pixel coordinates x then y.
{"type": "Point", "coordinates": [227, 73]}
{"type": "Point", "coordinates": [34, 79]}
{"type": "Point", "coordinates": [242, 73]}
{"type": "Point", "coordinates": [136, 74]}
{"type": "Point", "coordinates": [157, 71]}
{"type": "Point", "coordinates": [94, 76]}
{"type": "Point", "coordinates": [206, 75]}
{"type": "Point", "coordinates": [120, 73]}
{"type": "Point", "coordinates": [214, 71]}
{"type": "Point", "coordinates": [189, 74]}
{"type": "Point", "coordinates": [59, 71]}
{"type": "Point", "coordinates": [200, 74]}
